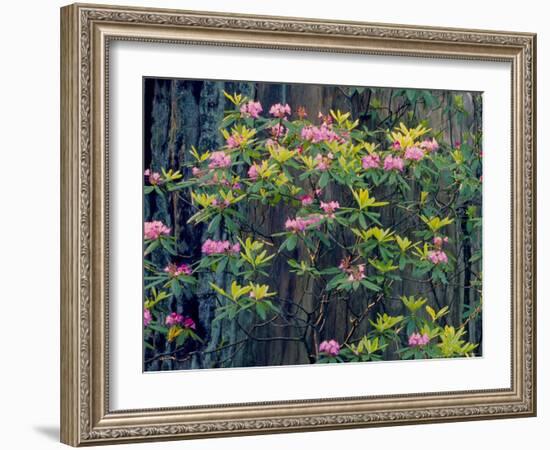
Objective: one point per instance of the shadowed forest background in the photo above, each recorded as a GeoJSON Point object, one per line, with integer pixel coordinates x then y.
{"type": "Point", "coordinates": [180, 114]}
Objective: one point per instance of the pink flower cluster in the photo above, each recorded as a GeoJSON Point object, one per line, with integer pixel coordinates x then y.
{"type": "Point", "coordinates": [174, 270]}
{"type": "Point", "coordinates": [299, 224]}
{"type": "Point", "coordinates": [355, 273]}
{"type": "Point", "coordinates": [220, 204]}
{"type": "Point", "coordinates": [393, 163]}
{"type": "Point", "coordinates": [219, 160]}
{"type": "Point", "coordinates": [153, 178]}
{"type": "Point", "coordinates": [417, 339]}
{"type": "Point", "coordinates": [225, 182]}
{"type": "Point", "coordinates": [323, 162]}
{"type": "Point", "coordinates": [212, 247]}
{"type": "Point", "coordinates": [178, 319]}
{"type": "Point", "coordinates": [234, 141]}
{"type": "Point", "coordinates": [155, 229]}
{"type": "Point", "coordinates": [439, 241]}
{"type": "Point", "coordinates": [371, 161]}
{"type": "Point", "coordinates": [147, 317]}
{"type": "Point", "coordinates": [430, 145]}
{"type": "Point", "coordinates": [325, 119]}
{"type": "Point", "coordinates": [251, 109]}
{"type": "Point", "coordinates": [414, 153]}
{"type": "Point", "coordinates": [279, 110]}
{"type": "Point", "coordinates": [329, 208]}
{"type": "Point", "coordinates": [331, 347]}
{"type": "Point", "coordinates": [253, 172]}
{"type": "Point", "coordinates": [322, 133]}
{"type": "Point", "coordinates": [278, 131]}
{"type": "Point", "coordinates": [306, 199]}
{"type": "Point", "coordinates": [438, 256]}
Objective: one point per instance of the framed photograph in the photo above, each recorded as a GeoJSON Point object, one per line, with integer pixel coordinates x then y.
{"type": "Point", "coordinates": [277, 224]}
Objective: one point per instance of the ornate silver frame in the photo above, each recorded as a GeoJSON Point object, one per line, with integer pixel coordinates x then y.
{"type": "Point", "coordinates": [86, 31]}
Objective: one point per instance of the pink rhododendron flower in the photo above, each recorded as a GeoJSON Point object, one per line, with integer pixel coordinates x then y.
{"type": "Point", "coordinates": [188, 323]}
{"type": "Point", "coordinates": [295, 225]}
{"type": "Point", "coordinates": [174, 319]}
{"type": "Point", "coordinates": [438, 256]}
{"type": "Point", "coordinates": [278, 131]}
{"type": "Point", "coordinates": [154, 178]}
{"type": "Point", "coordinates": [323, 162]}
{"type": "Point", "coordinates": [396, 145]}
{"type": "Point", "coordinates": [178, 319]}
{"type": "Point", "coordinates": [371, 161]}
{"type": "Point", "coordinates": [393, 163]}
{"type": "Point", "coordinates": [331, 347]}
{"type": "Point", "coordinates": [174, 270]}
{"type": "Point", "coordinates": [417, 339]}
{"type": "Point", "coordinates": [234, 141]}
{"type": "Point", "coordinates": [219, 204]}
{"type": "Point", "coordinates": [344, 264]}
{"type": "Point", "coordinates": [251, 109]}
{"type": "Point", "coordinates": [155, 229]}
{"type": "Point", "coordinates": [280, 111]}
{"type": "Point", "coordinates": [301, 223]}
{"type": "Point", "coordinates": [430, 145]}
{"type": "Point", "coordinates": [329, 208]}
{"type": "Point", "coordinates": [439, 241]}
{"type": "Point", "coordinates": [196, 172]}
{"type": "Point", "coordinates": [327, 120]}
{"type": "Point", "coordinates": [355, 273]}
{"type": "Point", "coordinates": [306, 199]}
{"type": "Point", "coordinates": [253, 172]}
{"type": "Point", "coordinates": [147, 317]}
{"type": "Point", "coordinates": [225, 182]}
{"type": "Point", "coordinates": [322, 133]}
{"type": "Point", "coordinates": [212, 247]}
{"type": "Point", "coordinates": [414, 153]}
{"type": "Point", "coordinates": [219, 160]}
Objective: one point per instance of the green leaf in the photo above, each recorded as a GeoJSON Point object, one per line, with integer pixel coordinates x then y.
{"type": "Point", "coordinates": [291, 242]}
{"type": "Point", "coordinates": [323, 181]}
{"type": "Point", "coordinates": [371, 286]}
{"type": "Point", "coordinates": [362, 221]}
{"type": "Point", "coordinates": [176, 288]}
{"type": "Point", "coordinates": [214, 223]}
{"type": "Point", "coordinates": [261, 311]}
{"type": "Point", "coordinates": [158, 328]}
{"type": "Point", "coordinates": [168, 246]}
{"type": "Point", "coordinates": [222, 264]}
{"type": "Point", "coordinates": [152, 246]}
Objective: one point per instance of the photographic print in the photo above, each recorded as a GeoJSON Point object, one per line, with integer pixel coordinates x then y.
{"type": "Point", "coordinates": [288, 224]}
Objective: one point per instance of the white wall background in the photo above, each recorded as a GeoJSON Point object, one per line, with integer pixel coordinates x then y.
{"type": "Point", "coordinates": [29, 234]}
